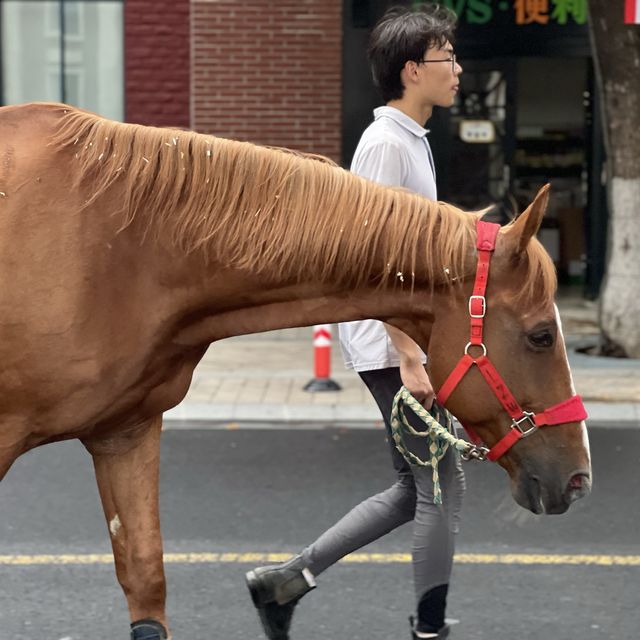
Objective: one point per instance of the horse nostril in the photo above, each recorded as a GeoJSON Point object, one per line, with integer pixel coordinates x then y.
{"type": "Point", "coordinates": [579, 485]}
{"type": "Point", "coordinates": [577, 481]}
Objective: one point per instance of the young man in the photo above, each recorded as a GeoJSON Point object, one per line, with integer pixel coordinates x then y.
{"type": "Point", "coordinates": [414, 66]}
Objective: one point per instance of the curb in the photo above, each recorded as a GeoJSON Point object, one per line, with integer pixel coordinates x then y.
{"type": "Point", "coordinates": [608, 414]}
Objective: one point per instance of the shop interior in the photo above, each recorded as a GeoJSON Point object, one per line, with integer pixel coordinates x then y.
{"type": "Point", "coordinates": [538, 110]}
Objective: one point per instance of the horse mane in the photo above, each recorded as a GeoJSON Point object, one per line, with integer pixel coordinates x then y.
{"type": "Point", "coordinates": [264, 209]}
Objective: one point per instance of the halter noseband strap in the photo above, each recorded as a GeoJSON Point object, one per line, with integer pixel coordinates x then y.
{"type": "Point", "coordinates": [524, 423]}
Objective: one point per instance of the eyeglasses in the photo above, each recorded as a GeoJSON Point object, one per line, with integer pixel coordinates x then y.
{"type": "Point", "coordinates": [452, 60]}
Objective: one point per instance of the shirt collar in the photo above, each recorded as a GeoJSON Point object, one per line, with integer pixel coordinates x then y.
{"type": "Point", "coordinates": [401, 118]}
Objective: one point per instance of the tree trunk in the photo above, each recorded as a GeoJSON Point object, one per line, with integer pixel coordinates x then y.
{"type": "Point", "coordinates": [616, 48]}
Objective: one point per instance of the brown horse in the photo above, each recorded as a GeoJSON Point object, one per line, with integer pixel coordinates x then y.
{"type": "Point", "coordinates": [126, 250]}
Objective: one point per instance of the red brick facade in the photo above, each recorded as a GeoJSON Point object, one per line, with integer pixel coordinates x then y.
{"type": "Point", "coordinates": [157, 62]}
{"type": "Point", "coordinates": [269, 71]}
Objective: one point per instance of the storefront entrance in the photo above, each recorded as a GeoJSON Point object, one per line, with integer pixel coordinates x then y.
{"type": "Point", "coordinates": [524, 117]}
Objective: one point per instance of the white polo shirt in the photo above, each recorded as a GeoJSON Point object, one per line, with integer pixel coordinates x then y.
{"type": "Point", "coordinates": [393, 151]}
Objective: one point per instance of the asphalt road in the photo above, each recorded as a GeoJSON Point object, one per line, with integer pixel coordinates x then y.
{"type": "Point", "coordinates": [264, 491]}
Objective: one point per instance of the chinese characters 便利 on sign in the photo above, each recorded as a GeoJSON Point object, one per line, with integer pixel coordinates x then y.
{"type": "Point", "coordinates": [526, 12]}
{"type": "Point", "coordinates": [541, 11]}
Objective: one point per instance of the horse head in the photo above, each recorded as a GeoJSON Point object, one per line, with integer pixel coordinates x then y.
{"type": "Point", "coordinates": [513, 387]}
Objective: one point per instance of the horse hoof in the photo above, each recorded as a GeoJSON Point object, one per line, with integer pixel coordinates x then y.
{"type": "Point", "coordinates": [148, 629]}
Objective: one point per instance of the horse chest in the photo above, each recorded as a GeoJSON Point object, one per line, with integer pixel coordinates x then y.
{"type": "Point", "coordinates": [170, 388]}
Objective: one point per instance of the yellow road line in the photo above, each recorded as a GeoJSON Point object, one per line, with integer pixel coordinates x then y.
{"type": "Point", "coordinates": [361, 558]}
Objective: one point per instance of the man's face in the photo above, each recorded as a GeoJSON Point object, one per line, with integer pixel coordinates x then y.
{"type": "Point", "coordinates": [439, 76]}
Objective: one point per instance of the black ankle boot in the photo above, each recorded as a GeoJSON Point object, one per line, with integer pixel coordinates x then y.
{"type": "Point", "coordinates": [148, 630]}
{"type": "Point", "coordinates": [275, 591]}
{"type": "Point", "coordinates": [430, 622]}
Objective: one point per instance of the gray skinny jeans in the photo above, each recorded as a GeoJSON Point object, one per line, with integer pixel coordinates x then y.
{"type": "Point", "coordinates": [409, 498]}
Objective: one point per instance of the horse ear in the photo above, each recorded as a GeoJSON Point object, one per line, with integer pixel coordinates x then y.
{"type": "Point", "coordinates": [528, 222]}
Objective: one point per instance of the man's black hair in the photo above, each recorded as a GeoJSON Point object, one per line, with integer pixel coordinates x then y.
{"type": "Point", "coordinates": [404, 34]}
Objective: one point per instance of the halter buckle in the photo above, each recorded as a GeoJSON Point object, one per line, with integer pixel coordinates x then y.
{"type": "Point", "coordinates": [527, 416]}
{"type": "Point", "coordinates": [475, 452]}
{"type": "Point", "coordinates": [483, 303]}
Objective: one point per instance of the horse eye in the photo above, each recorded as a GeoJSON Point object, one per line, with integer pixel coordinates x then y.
{"type": "Point", "coordinates": [541, 339]}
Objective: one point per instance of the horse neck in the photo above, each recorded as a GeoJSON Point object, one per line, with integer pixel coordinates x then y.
{"type": "Point", "coordinates": [349, 250]}
{"type": "Point", "coordinates": [253, 306]}
{"type": "Point", "coordinates": [235, 301]}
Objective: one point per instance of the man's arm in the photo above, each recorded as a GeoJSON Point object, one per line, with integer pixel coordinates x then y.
{"type": "Point", "coordinates": [412, 371]}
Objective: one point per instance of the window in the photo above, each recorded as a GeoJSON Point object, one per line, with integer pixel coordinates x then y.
{"type": "Point", "coordinates": [63, 51]}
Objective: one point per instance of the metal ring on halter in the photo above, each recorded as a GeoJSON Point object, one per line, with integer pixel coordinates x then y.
{"type": "Point", "coordinates": [484, 349]}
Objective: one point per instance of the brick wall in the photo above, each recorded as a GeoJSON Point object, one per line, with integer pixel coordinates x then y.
{"type": "Point", "coordinates": [157, 56]}
{"type": "Point", "coordinates": [269, 71]}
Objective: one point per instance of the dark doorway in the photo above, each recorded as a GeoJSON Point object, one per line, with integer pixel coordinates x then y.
{"type": "Point", "coordinates": [474, 141]}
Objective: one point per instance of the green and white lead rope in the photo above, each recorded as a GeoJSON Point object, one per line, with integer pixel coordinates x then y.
{"type": "Point", "coordinates": [439, 437]}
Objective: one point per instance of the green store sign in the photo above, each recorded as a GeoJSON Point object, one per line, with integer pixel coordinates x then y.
{"type": "Point", "coordinates": [519, 12]}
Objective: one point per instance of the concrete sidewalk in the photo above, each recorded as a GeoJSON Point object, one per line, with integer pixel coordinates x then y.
{"type": "Point", "coordinates": [260, 379]}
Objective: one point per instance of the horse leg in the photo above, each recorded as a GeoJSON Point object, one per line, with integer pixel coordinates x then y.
{"type": "Point", "coordinates": [127, 471]}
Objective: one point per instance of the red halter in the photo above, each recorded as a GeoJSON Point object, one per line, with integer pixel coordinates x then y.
{"type": "Point", "coordinates": [524, 423]}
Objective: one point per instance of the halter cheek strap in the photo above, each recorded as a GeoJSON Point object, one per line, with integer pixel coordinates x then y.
{"type": "Point", "coordinates": [524, 423]}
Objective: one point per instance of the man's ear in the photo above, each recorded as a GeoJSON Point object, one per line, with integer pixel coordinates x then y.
{"type": "Point", "coordinates": [526, 225]}
{"type": "Point", "coordinates": [409, 70]}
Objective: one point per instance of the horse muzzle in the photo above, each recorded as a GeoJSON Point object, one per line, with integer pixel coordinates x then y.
{"type": "Point", "coordinates": [550, 495]}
